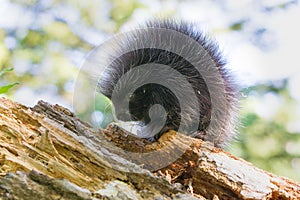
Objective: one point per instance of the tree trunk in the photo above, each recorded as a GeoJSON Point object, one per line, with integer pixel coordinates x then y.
{"type": "Point", "coordinates": [48, 153]}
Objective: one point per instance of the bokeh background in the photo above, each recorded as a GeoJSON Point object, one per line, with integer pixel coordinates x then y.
{"type": "Point", "coordinates": [46, 41]}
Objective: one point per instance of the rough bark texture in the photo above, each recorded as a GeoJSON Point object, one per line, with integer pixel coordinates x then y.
{"type": "Point", "coordinates": [48, 153]}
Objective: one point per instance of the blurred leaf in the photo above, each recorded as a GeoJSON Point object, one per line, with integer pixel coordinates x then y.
{"type": "Point", "coordinates": [5, 88]}
{"type": "Point", "coordinates": [122, 10]}
{"type": "Point", "coordinates": [5, 70]}
{"type": "Point", "coordinates": [4, 54]}
{"type": "Point", "coordinates": [34, 38]}
{"type": "Point", "coordinates": [237, 26]}
{"type": "Point", "coordinates": [61, 32]}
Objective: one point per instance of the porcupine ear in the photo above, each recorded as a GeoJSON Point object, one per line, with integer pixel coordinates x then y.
{"type": "Point", "coordinates": [231, 123]}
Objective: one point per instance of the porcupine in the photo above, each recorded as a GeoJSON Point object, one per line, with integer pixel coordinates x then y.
{"type": "Point", "coordinates": [147, 95]}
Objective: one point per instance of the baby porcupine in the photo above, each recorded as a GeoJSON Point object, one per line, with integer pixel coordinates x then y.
{"type": "Point", "coordinates": [207, 112]}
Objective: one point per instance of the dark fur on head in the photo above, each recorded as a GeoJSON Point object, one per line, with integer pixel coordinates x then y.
{"type": "Point", "coordinates": [149, 94]}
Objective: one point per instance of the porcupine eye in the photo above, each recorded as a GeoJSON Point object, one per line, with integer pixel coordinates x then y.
{"type": "Point", "coordinates": [150, 94]}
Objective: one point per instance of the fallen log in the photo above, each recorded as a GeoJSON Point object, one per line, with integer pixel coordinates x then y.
{"type": "Point", "coordinates": [49, 153]}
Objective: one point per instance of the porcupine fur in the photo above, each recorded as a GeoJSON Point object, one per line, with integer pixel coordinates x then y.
{"type": "Point", "coordinates": [149, 94]}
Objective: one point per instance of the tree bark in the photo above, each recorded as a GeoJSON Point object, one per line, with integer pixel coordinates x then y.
{"type": "Point", "coordinates": [49, 153]}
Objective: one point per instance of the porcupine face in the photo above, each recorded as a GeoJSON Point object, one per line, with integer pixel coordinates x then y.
{"type": "Point", "coordinates": [144, 97]}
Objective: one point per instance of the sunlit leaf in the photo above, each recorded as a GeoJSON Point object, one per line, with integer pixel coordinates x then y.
{"type": "Point", "coordinates": [5, 88]}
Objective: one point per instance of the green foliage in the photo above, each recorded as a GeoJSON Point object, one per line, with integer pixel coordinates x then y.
{"type": "Point", "coordinates": [5, 88]}
{"type": "Point", "coordinates": [267, 143]}
{"type": "Point", "coordinates": [5, 70]}
{"type": "Point", "coordinates": [122, 10]}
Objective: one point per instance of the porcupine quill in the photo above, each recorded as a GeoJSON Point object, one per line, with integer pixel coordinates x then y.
{"type": "Point", "coordinates": [148, 95]}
